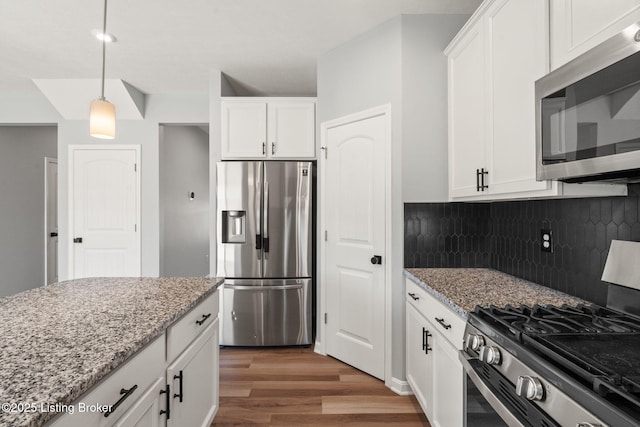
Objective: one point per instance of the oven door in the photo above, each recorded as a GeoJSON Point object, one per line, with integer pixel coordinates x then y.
{"type": "Point", "coordinates": [482, 407]}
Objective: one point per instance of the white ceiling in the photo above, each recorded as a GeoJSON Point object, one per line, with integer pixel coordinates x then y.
{"type": "Point", "coordinates": [265, 47]}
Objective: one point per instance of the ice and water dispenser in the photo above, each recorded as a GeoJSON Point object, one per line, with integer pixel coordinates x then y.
{"type": "Point", "coordinates": [234, 226]}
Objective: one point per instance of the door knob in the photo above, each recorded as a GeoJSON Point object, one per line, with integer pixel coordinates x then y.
{"type": "Point", "coordinates": [376, 259]}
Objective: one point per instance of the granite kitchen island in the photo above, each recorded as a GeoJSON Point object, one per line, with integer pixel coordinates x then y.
{"type": "Point", "coordinates": [61, 341]}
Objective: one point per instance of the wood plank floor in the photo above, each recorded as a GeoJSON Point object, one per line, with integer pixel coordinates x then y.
{"type": "Point", "coordinates": [295, 386]}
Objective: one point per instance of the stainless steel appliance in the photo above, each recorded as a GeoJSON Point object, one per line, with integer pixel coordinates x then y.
{"type": "Point", "coordinates": [588, 114]}
{"type": "Point", "coordinates": [265, 252]}
{"type": "Point", "coordinates": [559, 366]}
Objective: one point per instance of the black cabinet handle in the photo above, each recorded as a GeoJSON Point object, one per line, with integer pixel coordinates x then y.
{"type": "Point", "coordinates": [477, 179]}
{"type": "Point", "coordinates": [376, 260]}
{"type": "Point", "coordinates": [178, 394]}
{"type": "Point", "coordinates": [273, 148]}
{"type": "Point", "coordinates": [425, 340]}
{"type": "Point", "coordinates": [125, 394]}
{"type": "Point", "coordinates": [200, 322]}
{"type": "Point", "coordinates": [54, 234]}
{"type": "Point", "coordinates": [442, 323]}
{"type": "Point", "coordinates": [264, 148]}
{"type": "Point", "coordinates": [413, 296]}
{"type": "Point", "coordinates": [167, 401]}
{"type": "Point", "coordinates": [77, 240]}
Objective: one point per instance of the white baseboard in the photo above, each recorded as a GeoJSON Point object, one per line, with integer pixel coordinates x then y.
{"type": "Point", "coordinates": [399, 386]}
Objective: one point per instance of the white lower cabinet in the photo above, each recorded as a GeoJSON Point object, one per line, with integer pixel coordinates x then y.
{"type": "Point", "coordinates": [194, 381]}
{"type": "Point", "coordinates": [434, 373]}
{"type": "Point", "coordinates": [173, 381]}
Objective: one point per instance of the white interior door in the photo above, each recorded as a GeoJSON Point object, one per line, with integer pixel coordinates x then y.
{"type": "Point", "coordinates": [355, 212]}
{"type": "Point", "coordinates": [104, 211]}
{"type": "Point", "coordinates": [51, 220]}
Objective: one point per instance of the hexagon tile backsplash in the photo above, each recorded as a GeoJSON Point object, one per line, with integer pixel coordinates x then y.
{"type": "Point", "coordinates": [506, 236]}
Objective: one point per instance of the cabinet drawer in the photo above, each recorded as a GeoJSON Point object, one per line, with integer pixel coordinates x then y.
{"type": "Point", "coordinates": [187, 329]}
{"type": "Point", "coordinates": [140, 372]}
{"type": "Point", "coordinates": [446, 321]}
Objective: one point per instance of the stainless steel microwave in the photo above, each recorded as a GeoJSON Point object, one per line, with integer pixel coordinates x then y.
{"type": "Point", "coordinates": [588, 114]}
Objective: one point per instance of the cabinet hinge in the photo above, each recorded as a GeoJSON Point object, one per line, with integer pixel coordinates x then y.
{"type": "Point", "coordinates": [325, 318]}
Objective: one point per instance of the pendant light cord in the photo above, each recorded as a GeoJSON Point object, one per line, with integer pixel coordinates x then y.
{"type": "Point", "coordinates": [104, 45]}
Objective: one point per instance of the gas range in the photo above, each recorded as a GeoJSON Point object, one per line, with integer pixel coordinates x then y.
{"type": "Point", "coordinates": [556, 366]}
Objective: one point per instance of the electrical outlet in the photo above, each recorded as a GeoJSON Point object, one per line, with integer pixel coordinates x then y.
{"type": "Point", "coordinates": [546, 240]}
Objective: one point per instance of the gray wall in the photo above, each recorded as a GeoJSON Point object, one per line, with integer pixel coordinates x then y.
{"type": "Point", "coordinates": [399, 63]}
{"type": "Point", "coordinates": [184, 223]}
{"type": "Point", "coordinates": [160, 108]}
{"type": "Point", "coordinates": [22, 153]}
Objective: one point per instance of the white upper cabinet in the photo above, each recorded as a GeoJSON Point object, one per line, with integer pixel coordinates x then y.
{"type": "Point", "coordinates": [493, 64]}
{"type": "Point", "coordinates": [579, 25]}
{"type": "Point", "coordinates": [268, 128]}
{"type": "Point", "coordinates": [467, 110]}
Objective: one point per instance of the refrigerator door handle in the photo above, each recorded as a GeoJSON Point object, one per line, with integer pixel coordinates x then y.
{"type": "Point", "coordinates": [266, 217]}
{"type": "Point", "coordinates": [257, 216]}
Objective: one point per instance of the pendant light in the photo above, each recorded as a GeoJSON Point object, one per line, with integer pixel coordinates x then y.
{"type": "Point", "coordinates": [102, 113]}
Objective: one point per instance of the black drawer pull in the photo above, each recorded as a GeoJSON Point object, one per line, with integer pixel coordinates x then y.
{"type": "Point", "coordinates": [412, 295]}
{"type": "Point", "coordinates": [444, 325]}
{"type": "Point", "coordinates": [167, 400]}
{"type": "Point", "coordinates": [204, 319]}
{"type": "Point", "coordinates": [125, 394]}
{"type": "Point", "coordinates": [175, 377]}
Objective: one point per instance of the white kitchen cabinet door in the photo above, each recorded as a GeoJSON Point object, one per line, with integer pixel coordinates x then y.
{"type": "Point", "coordinates": [244, 130]}
{"type": "Point", "coordinates": [579, 25]}
{"type": "Point", "coordinates": [419, 358]}
{"type": "Point", "coordinates": [515, 63]}
{"type": "Point", "coordinates": [146, 411]}
{"type": "Point", "coordinates": [448, 375]}
{"type": "Point", "coordinates": [291, 129]}
{"type": "Point", "coordinates": [467, 113]}
{"type": "Point", "coordinates": [193, 377]}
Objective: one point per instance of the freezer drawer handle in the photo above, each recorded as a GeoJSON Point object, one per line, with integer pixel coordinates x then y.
{"type": "Point", "coordinates": [125, 394]}
{"type": "Point", "coordinates": [204, 319]}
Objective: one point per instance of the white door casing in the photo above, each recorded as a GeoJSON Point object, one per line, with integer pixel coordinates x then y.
{"type": "Point", "coordinates": [50, 220]}
{"type": "Point", "coordinates": [104, 211]}
{"type": "Point", "coordinates": [354, 215]}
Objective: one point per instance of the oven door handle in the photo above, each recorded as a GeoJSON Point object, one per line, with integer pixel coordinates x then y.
{"type": "Point", "coordinates": [495, 403]}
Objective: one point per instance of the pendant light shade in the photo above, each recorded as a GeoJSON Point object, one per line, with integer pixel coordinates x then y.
{"type": "Point", "coordinates": [102, 113]}
{"type": "Point", "coordinates": [102, 119]}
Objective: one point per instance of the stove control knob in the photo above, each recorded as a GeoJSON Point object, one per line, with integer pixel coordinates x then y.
{"type": "Point", "coordinates": [529, 387]}
{"type": "Point", "coordinates": [490, 355]}
{"type": "Point", "coordinates": [475, 341]}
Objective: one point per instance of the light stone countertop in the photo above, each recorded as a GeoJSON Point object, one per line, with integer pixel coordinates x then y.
{"type": "Point", "coordinates": [56, 342]}
{"type": "Point", "coordinates": [462, 289]}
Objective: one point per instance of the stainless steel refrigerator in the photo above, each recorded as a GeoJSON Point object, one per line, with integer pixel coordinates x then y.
{"type": "Point", "coordinates": [264, 252]}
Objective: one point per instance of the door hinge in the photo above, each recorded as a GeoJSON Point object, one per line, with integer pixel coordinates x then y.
{"type": "Point", "coordinates": [325, 318]}
{"type": "Point", "coordinates": [326, 233]}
